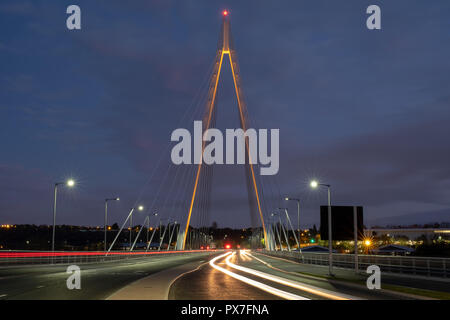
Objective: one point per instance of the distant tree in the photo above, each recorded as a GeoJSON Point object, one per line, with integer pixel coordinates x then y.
{"type": "Point", "coordinates": [314, 231]}
{"type": "Point", "coordinates": [214, 225]}
{"type": "Point", "coordinates": [115, 226]}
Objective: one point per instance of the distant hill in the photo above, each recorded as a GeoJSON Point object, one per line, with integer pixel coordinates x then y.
{"type": "Point", "coordinates": [439, 216]}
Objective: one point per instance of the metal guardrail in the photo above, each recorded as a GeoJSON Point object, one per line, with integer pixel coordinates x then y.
{"type": "Point", "coordinates": [14, 258]}
{"type": "Point", "coordinates": [423, 266]}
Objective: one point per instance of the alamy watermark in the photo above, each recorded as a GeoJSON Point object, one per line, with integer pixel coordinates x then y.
{"type": "Point", "coordinates": [374, 280]}
{"type": "Point", "coordinates": [74, 280]}
{"type": "Point", "coordinates": [235, 139]}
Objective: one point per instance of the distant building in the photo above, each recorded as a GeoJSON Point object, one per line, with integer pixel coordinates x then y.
{"type": "Point", "coordinates": [410, 233]}
{"type": "Point", "coordinates": [393, 249]}
{"type": "Point", "coordinates": [315, 248]}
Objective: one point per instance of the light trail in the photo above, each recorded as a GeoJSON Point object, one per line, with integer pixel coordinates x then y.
{"type": "Point", "coordinates": [88, 253]}
{"type": "Point", "coordinates": [293, 284]}
{"type": "Point", "coordinates": [259, 285]}
{"type": "Point", "coordinates": [244, 256]}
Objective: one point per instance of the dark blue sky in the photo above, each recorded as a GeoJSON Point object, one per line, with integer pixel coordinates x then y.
{"type": "Point", "coordinates": [366, 111]}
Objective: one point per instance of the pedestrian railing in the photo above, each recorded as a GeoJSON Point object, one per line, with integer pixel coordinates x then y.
{"type": "Point", "coordinates": [423, 266]}
{"type": "Point", "coordinates": [10, 258]}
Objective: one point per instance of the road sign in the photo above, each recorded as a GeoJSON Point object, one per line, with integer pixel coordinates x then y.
{"type": "Point", "coordinates": [342, 225]}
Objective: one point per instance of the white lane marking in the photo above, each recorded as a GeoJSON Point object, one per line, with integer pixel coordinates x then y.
{"type": "Point", "coordinates": [289, 272]}
{"type": "Point", "coordinates": [263, 262]}
{"type": "Point", "coordinates": [3, 295]}
{"type": "Point", "coordinates": [294, 284]}
{"type": "Point", "coordinates": [259, 285]}
{"type": "Point", "coordinates": [183, 274]}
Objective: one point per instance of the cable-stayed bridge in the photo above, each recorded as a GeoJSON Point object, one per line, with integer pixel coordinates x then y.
{"type": "Point", "coordinates": [163, 250]}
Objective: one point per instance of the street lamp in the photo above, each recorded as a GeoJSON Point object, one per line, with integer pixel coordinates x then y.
{"type": "Point", "coordinates": [290, 224]}
{"type": "Point", "coordinates": [314, 184]}
{"type": "Point", "coordinates": [155, 215]}
{"type": "Point", "coordinates": [140, 208]}
{"type": "Point", "coordinates": [69, 183]}
{"type": "Point", "coordinates": [106, 214]}
{"type": "Point", "coordinates": [283, 231]}
{"type": "Point", "coordinates": [298, 218]}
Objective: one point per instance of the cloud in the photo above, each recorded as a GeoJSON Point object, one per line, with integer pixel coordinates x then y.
{"type": "Point", "coordinates": [19, 8]}
{"type": "Point", "coordinates": [365, 111]}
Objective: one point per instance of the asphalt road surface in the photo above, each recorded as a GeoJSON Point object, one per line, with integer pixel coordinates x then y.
{"type": "Point", "coordinates": [98, 281]}
{"type": "Point", "coordinates": [230, 275]}
{"type": "Point", "coordinates": [250, 276]}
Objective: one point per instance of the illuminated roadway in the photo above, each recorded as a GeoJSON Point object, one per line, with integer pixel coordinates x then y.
{"type": "Point", "coordinates": [247, 275]}
{"type": "Point", "coordinates": [221, 275]}
{"type": "Point", "coordinates": [98, 281]}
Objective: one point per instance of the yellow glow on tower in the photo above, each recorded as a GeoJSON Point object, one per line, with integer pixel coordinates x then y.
{"type": "Point", "coordinates": [225, 50]}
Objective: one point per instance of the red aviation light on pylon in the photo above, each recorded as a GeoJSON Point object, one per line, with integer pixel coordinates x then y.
{"type": "Point", "coordinates": [225, 13]}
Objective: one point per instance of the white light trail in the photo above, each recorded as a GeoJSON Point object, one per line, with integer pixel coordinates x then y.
{"type": "Point", "coordinates": [259, 285]}
{"type": "Point", "coordinates": [293, 284]}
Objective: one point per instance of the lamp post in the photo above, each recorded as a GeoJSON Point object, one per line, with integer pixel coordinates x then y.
{"type": "Point", "coordinates": [155, 215]}
{"type": "Point", "coordinates": [140, 208]}
{"type": "Point", "coordinates": [298, 218]}
{"type": "Point", "coordinates": [106, 214]}
{"type": "Point", "coordinates": [70, 183]}
{"type": "Point", "coordinates": [290, 224]}
{"type": "Point", "coordinates": [276, 229]}
{"type": "Point", "coordinates": [314, 184]}
{"type": "Point", "coordinates": [153, 234]}
{"type": "Point", "coordinates": [283, 231]}
{"type": "Point", "coordinates": [171, 235]}
{"type": "Point", "coordinates": [121, 228]}
{"type": "Point", "coordinates": [164, 233]}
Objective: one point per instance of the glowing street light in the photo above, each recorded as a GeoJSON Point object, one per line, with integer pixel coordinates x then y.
{"type": "Point", "coordinates": [150, 229]}
{"type": "Point", "coordinates": [298, 218]}
{"type": "Point", "coordinates": [290, 224]}
{"type": "Point", "coordinates": [367, 242]}
{"type": "Point", "coordinates": [315, 184]}
{"type": "Point", "coordinates": [106, 214]}
{"type": "Point", "coordinates": [282, 230]}
{"type": "Point", "coordinates": [140, 208]}
{"type": "Point", "coordinates": [69, 183]}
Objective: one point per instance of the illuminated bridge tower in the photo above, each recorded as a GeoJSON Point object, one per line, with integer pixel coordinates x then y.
{"type": "Point", "coordinates": [226, 50]}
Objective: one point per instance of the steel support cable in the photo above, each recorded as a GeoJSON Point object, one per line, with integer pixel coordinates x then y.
{"type": "Point", "coordinates": [187, 188]}
{"type": "Point", "coordinates": [194, 106]}
{"type": "Point", "coordinates": [242, 111]}
{"type": "Point", "coordinates": [206, 188]}
{"type": "Point", "coordinates": [167, 148]}
{"type": "Point", "coordinates": [178, 168]}
{"type": "Point", "coordinates": [262, 181]}
{"type": "Point", "coordinates": [212, 95]}
{"type": "Point", "coordinates": [243, 114]}
{"type": "Point", "coordinates": [192, 168]}
{"type": "Point", "coordinates": [205, 96]}
{"type": "Point", "coordinates": [172, 186]}
{"type": "Point", "coordinates": [177, 199]}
